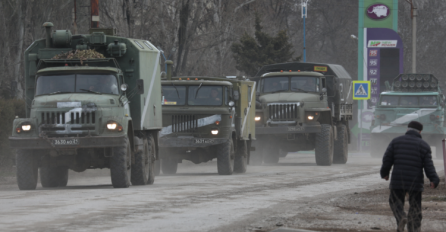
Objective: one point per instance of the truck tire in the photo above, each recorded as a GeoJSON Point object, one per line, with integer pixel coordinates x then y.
{"type": "Point", "coordinates": [225, 158]}
{"type": "Point", "coordinates": [271, 155]}
{"type": "Point", "coordinates": [143, 168]}
{"type": "Point", "coordinates": [120, 165]}
{"type": "Point", "coordinates": [27, 170]}
{"type": "Point", "coordinates": [241, 157]}
{"type": "Point", "coordinates": [169, 166]}
{"type": "Point", "coordinates": [51, 177]}
{"type": "Point", "coordinates": [324, 146]}
{"type": "Point", "coordinates": [340, 155]}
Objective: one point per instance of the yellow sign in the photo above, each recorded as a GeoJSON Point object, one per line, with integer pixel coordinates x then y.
{"type": "Point", "coordinates": [170, 103]}
{"type": "Point", "coordinates": [320, 68]}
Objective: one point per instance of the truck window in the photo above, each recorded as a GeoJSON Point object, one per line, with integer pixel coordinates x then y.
{"type": "Point", "coordinates": [308, 84]}
{"type": "Point", "coordinates": [205, 95]}
{"type": "Point", "coordinates": [428, 100]}
{"type": "Point", "coordinates": [330, 84]}
{"type": "Point", "coordinates": [249, 94]}
{"type": "Point", "coordinates": [79, 83]}
{"type": "Point", "coordinates": [275, 84]}
{"type": "Point", "coordinates": [389, 100]}
{"type": "Point", "coordinates": [409, 101]}
{"type": "Point", "coordinates": [174, 95]}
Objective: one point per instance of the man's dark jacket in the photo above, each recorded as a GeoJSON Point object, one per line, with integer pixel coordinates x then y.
{"type": "Point", "coordinates": [409, 154]}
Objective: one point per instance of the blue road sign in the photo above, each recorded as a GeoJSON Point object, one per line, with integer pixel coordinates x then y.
{"type": "Point", "coordinates": [361, 90]}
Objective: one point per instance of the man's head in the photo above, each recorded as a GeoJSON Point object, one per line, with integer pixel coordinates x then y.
{"type": "Point", "coordinates": [416, 126]}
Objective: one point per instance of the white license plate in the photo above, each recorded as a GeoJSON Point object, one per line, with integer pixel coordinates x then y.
{"type": "Point", "coordinates": [294, 128]}
{"type": "Point", "coordinates": [204, 141]}
{"type": "Point", "coordinates": [62, 142]}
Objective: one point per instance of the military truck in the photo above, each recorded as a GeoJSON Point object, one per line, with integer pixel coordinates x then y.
{"type": "Point", "coordinates": [301, 107]}
{"type": "Point", "coordinates": [85, 113]}
{"type": "Point", "coordinates": [411, 97]}
{"type": "Point", "coordinates": [206, 118]}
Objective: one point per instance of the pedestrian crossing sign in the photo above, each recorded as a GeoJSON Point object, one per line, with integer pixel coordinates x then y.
{"type": "Point", "coordinates": [361, 90]}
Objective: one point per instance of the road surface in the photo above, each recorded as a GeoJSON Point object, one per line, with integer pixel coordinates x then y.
{"type": "Point", "coordinates": [196, 199]}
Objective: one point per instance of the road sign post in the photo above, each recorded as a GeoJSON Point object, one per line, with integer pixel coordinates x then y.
{"type": "Point", "coordinates": [361, 91]}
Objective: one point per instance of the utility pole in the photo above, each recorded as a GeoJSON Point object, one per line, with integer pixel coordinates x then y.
{"type": "Point", "coordinates": [304, 16]}
{"type": "Point", "coordinates": [94, 13]}
{"type": "Point", "coordinates": [413, 15]}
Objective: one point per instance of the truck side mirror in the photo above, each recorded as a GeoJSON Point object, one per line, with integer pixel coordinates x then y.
{"type": "Point", "coordinates": [140, 86]}
{"type": "Point", "coordinates": [124, 87]}
{"type": "Point", "coordinates": [236, 95]}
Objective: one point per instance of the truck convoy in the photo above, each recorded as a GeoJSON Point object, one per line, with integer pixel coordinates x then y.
{"type": "Point", "coordinates": [301, 107]}
{"type": "Point", "coordinates": [97, 107]}
{"type": "Point", "coordinates": [411, 97]}
{"type": "Point", "coordinates": [206, 118]}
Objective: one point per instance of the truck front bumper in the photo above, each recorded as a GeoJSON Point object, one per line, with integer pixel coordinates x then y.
{"type": "Point", "coordinates": [305, 128]}
{"type": "Point", "coordinates": [79, 142]}
{"type": "Point", "coordinates": [189, 142]}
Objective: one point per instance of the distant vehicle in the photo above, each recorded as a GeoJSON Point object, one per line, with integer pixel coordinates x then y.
{"type": "Point", "coordinates": [206, 118]}
{"type": "Point", "coordinates": [412, 97]}
{"type": "Point", "coordinates": [89, 112]}
{"type": "Point", "coordinates": [301, 107]}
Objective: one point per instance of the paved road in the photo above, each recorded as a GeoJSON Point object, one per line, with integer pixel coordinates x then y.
{"type": "Point", "coordinates": [196, 199]}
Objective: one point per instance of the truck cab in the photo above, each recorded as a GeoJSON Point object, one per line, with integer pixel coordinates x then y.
{"type": "Point", "coordinates": [206, 118]}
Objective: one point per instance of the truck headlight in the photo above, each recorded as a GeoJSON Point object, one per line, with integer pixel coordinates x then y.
{"type": "Point", "coordinates": [112, 126]}
{"type": "Point", "coordinates": [310, 117]}
{"type": "Point", "coordinates": [26, 127]}
{"type": "Point", "coordinates": [257, 118]}
{"type": "Point", "coordinates": [214, 132]}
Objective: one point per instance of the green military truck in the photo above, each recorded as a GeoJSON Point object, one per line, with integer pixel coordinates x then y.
{"type": "Point", "coordinates": [206, 118]}
{"type": "Point", "coordinates": [411, 97]}
{"type": "Point", "coordinates": [97, 107]}
{"type": "Point", "coordinates": [301, 107]}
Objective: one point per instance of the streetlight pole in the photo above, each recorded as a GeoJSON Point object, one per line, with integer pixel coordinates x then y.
{"type": "Point", "coordinates": [413, 16]}
{"type": "Point", "coordinates": [304, 16]}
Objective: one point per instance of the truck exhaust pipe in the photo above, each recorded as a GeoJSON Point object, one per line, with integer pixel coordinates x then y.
{"type": "Point", "coordinates": [169, 64]}
{"type": "Point", "coordinates": [48, 26]}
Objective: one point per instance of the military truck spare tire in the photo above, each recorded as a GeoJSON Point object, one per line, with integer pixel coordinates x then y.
{"type": "Point", "coordinates": [26, 170]}
{"type": "Point", "coordinates": [341, 145]}
{"type": "Point", "coordinates": [241, 157]}
{"type": "Point", "coordinates": [225, 158]}
{"type": "Point", "coordinates": [324, 146]}
{"type": "Point", "coordinates": [120, 165]}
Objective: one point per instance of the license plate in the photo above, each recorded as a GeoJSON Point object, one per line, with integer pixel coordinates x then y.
{"type": "Point", "coordinates": [62, 142]}
{"type": "Point", "coordinates": [294, 128]}
{"type": "Point", "coordinates": [204, 141]}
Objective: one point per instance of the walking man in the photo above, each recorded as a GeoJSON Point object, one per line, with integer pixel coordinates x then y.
{"type": "Point", "coordinates": [409, 155]}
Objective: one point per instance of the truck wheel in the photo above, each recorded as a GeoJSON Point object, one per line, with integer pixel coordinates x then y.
{"type": "Point", "coordinates": [51, 177]}
{"type": "Point", "coordinates": [241, 157]}
{"type": "Point", "coordinates": [120, 165]}
{"type": "Point", "coordinates": [169, 166]}
{"type": "Point", "coordinates": [324, 146]}
{"type": "Point", "coordinates": [225, 158]}
{"type": "Point", "coordinates": [26, 170]}
{"type": "Point", "coordinates": [341, 146]}
{"type": "Point", "coordinates": [143, 169]}
{"type": "Point", "coordinates": [271, 155]}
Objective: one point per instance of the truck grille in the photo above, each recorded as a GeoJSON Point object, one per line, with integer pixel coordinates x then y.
{"type": "Point", "coordinates": [184, 123]}
{"type": "Point", "coordinates": [278, 111]}
{"type": "Point", "coordinates": [64, 117]}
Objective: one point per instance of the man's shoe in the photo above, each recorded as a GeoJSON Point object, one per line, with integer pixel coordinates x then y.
{"type": "Point", "coordinates": [402, 224]}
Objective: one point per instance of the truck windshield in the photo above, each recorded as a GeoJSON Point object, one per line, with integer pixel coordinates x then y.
{"type": "Point", "coordinates": [409, 101]}
{"type": "Point", "coordinates": [174, 95]}
{"type": "Point", "coordinates": [77, 83]}
{"type": "Point", "coordinates": [294, 84]}
{"type": "Point", "coordinates": [205, 95]}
